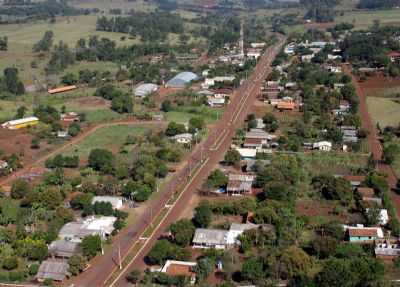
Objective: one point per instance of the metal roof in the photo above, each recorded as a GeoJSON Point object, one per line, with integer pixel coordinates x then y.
{"type": "Point", "coordinates": [53, 269]}
{"type": "Point", "coordinates": [145, 89]}
{"type": "Point", "coordinates": [182, 79]}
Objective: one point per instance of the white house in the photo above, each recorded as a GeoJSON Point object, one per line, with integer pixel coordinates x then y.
{"type": "Point", "coordinates": [116, 201]}
{"type": "Point", "coordinates": [209, 82]}
{"type": "Point", "coordinates": [183, 138]}
{"type": "Point", "coordinates": [383, 216]}
{"type": "Point", "coordinates": [216, 102]}
{"type": "Point", "coordinates": [218, 238]}
{"type": "Point", "coordinates": [76, 231]}
{"type": "Point", "coordinates": [323, 146]}
{"type": "Point", "coordinates": [247, 153]}
{"type": "Point", "coordinates": [254, 53]}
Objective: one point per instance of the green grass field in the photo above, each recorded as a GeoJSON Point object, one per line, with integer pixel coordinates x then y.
{"type": "Point", "coordinates": [384, 111]}
{"type": "Point", "coordinates": [109, 138]}
{"type": "Point", "coordinates": [184, 114]}
{"type": "Point", "coordinates": [364, 19]}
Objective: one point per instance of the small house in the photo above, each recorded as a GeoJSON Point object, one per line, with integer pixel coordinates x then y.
{"type": "Point", "coordinates": [286, 106]}
{"type": "Point", "coordinates": [247, 153]}
{"type": "Point", "coordinates": [180, 268]}
{"type": "Point", "coordinates": [368, 196]}
{"type": "Point", "coordinates": [255, 143]}
{"type": "Point", "coordinates": [115, 201]}
{"type": "Point", "coordinates": [70, 117]}
{"type": "Point", "coordinates": [56, 270]}
{"type": "Point", "coordinates": [210, 238]}
{"type": "Point", "coordinates": [394, 56]}
{"type": "Point", "coordinates": [240, 183]}
{"type": "Point", "coordinates": [183, 138]}
{"type": "Point", "coordinates": [364, 234]}
{"type": "Point", "coordinates": [387, 249]}
{"type": "Point", "coordinates": [383, 216]}
{"type": "Point", "coordinates": [63, 248]}
{"type": "Point", "coordinates": [323, 146]}
{"type": "Point", "coordinates": [77, 230]}
{"type": "Point", "coordinates": [216, 102]}
{"type": "Point", "coordinates": [254, 53]}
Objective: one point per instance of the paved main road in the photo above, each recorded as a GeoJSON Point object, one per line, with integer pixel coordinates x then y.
{"type": "Point", "coordinates": [214, 150]}
{"type": "Point", "coordinates": [209, 152]}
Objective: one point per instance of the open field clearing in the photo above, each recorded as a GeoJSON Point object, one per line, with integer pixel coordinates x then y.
{"type": "Point", "coordinates": [384, 111]}
{"type": "Point", "coordinates": [333, 162]}
{"type": "Point", "coordinates": [364, 19]}
{"type": "Point", "coordinates": [108, 138]}
{"type": "Point", "coordinates": [21, 38]}
{"type": "Point", "coordinates": [184, 114]}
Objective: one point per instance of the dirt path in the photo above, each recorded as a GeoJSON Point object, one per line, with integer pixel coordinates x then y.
{"type": "Point", "coordinates": [374, 144]}
{"type": "Point", "coordinates": [82, 136]}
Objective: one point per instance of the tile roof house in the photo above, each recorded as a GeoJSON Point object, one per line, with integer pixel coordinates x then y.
{"type": "Point", "coordinates": [364, 234]}
{"type": "Point", "coordinates": [56, 270]}
{"type": "Point", "coordinates": [180, 268]}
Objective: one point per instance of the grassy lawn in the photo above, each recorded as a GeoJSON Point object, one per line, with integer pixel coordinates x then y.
{"type": "Point", "coordinates": [363, 19]}
{"type": "Point", "coordinates": [384, 110]}
{"type": "Point", "coordinates": [108, 138]}
{"type": "Point", "coordinates": [332, 162]}
{"type": "Point", "coordinates": [184, 114]}
{"type": "Point", "coordinates": [21, 38]}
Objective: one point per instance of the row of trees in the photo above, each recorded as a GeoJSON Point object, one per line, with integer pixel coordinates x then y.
{"type": "Point", "coordinates": [153, 26]}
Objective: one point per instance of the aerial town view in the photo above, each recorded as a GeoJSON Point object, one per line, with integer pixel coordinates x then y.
{"type": "Point", "coordinates": [209, 143]}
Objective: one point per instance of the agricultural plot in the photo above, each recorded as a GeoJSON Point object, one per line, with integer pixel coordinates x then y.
{"type": "Point", "coordinates": [384, 111]}
{"type": "Point", "coordinates": [364, 19]}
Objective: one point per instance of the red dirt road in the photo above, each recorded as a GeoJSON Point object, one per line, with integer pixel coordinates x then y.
{"type": "Point", "coordinates": [8, 179]}
{"type": "Point", "coordinates": [209, 152]}
{"type": "Point", "coordinates": [374, 144]}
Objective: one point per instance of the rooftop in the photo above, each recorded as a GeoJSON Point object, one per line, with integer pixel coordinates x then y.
{"type": "Point", "coordinates": [210, 236]}
{"type": "Point", "coordinates": [365, 232]}
{"type": "Point", "coordinates": [53, 269]}
{"type": "Point", "coordinates": [182, 79]}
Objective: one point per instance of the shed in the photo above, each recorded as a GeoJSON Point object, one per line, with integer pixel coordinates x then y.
{"type": "Point", "coordinates": [210, 238]}
{"type": "Point", "coordinates": [181, 80]}
{"type": "Point", "coordinates": [52, 269]}
{"type": "Point", "coordinates": [116, 201]}
{"type": "Point", "coordinates": [21, 123]}
{"type": "Point", "coordinates": [62, 89]}
{"type": "Point", "coordinates": [63, 248]}
{"type": "Point", "coordinates": [144, 90]}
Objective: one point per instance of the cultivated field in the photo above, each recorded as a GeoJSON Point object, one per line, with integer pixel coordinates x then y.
{"type": "Point", "coordinates": [364, 19]}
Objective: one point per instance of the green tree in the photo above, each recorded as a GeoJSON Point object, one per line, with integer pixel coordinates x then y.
{"type": "Point", "coordinates": [174, 129]}
{"type": "Point", "coordinates": [164, 250]}
{"type": "Point", "coordinates": [294, 261]}
{"type": "Point", "coordinates": [390, 152]}
{"type": "Point", "coordinates": [20, 188]}
{"type": "Point", "coordinates": [203, 215]}
{"type": "Point", "coordinates": [232, 157]}
{"type": "Point", "coordinates": [216, 179]}
{"type": "Point", "coordinates": [102, 160]}
{"type": "Point", "coordinates": [12, 82]}
{"type": "Point", "coordinates": [21, 111]}
{"type": "Point", "coordinates": [205, 266]}
{"type": "Point", "coordinates": [77, 264]}
{"type": "Point", "coordinates": [133, 277]}
{"type": "Point", "coordinates": [253, 269]}
{"type": "Point", "coordinates": [196, 124]}
{"type": "Point", "coordinates": [91, 245]}
{"type": "Point", "coordinates": [182, 232]}
{"type": "Point", "coordinates": [44, 44]}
